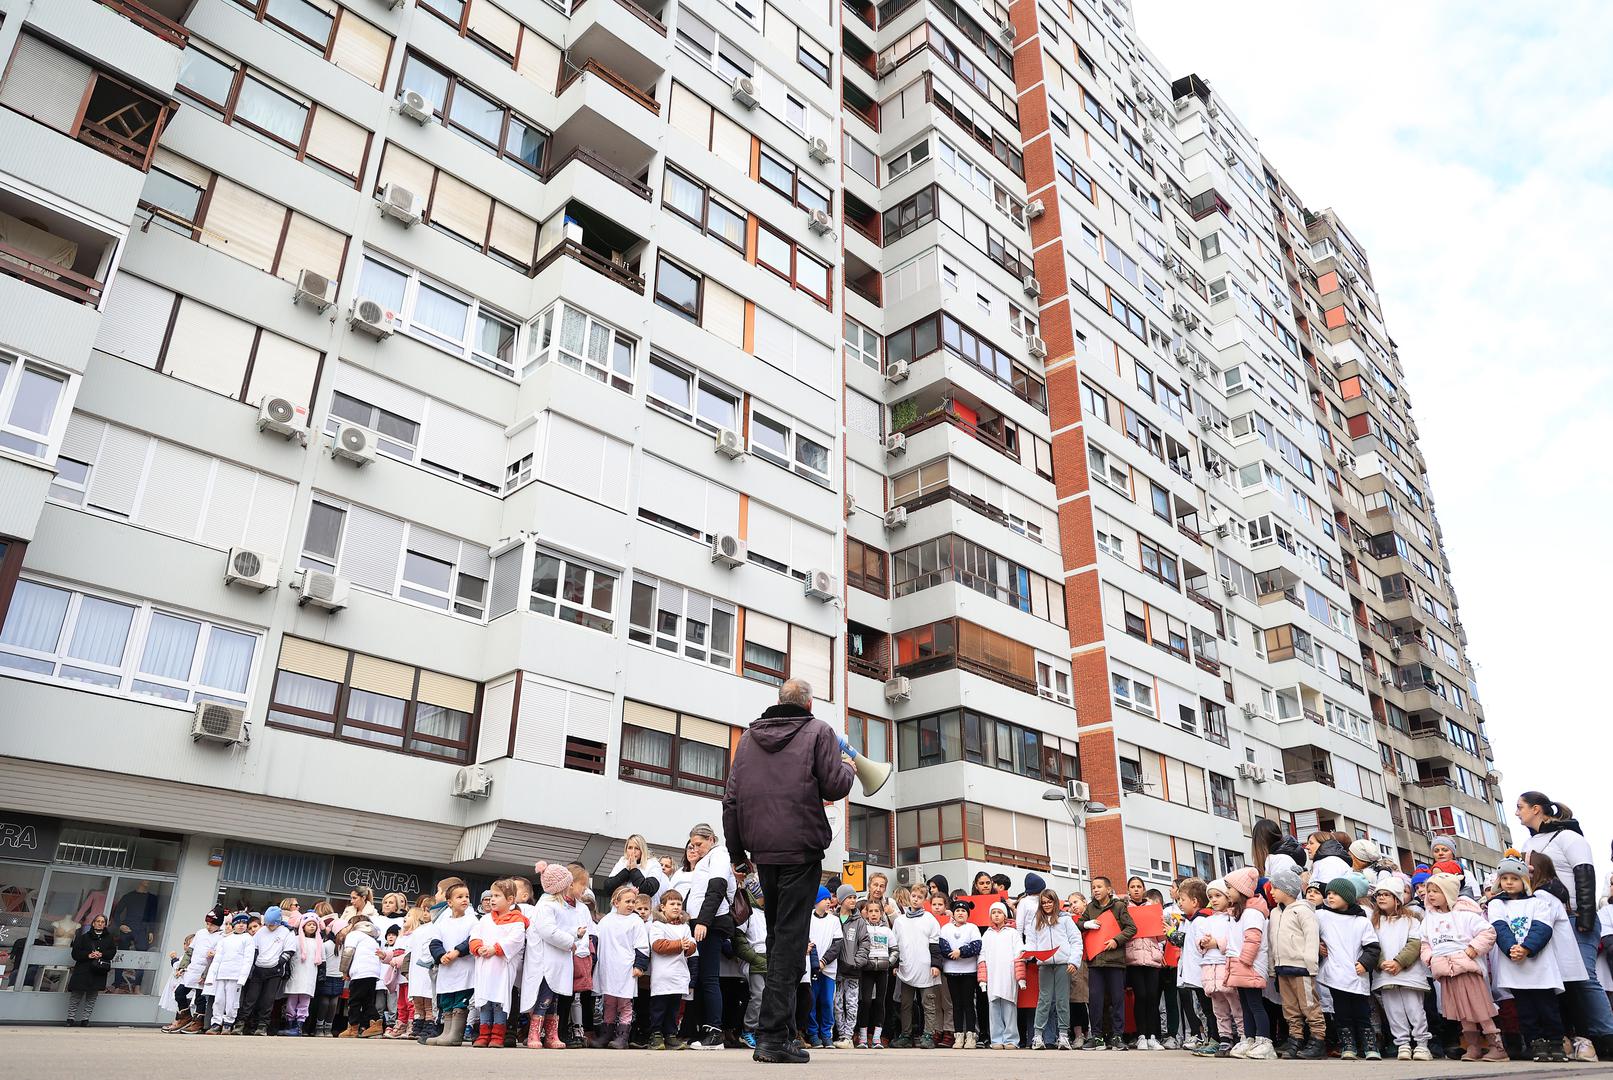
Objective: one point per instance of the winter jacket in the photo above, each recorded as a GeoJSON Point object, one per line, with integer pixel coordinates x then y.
{"type": "Point", "coordinates": [877, 947]}
{"type": "Point", "coordinates": [90, 974]}
{"type": "Point", "coordinates": [1332, 861]}
{"type": "Point", "coordinates": [852, 946]}
{"type": "Point", "coordinates": [1291, 847]}
{"type": "Point", "coordinates": [787, 766]}
{"type": "Point", "coordinates": [1114, 956]}
{"type": "Point", "coordinates": [1565, 842]}
{"type": "Point", "coordinates": [1447, 935]}
{"type": "Point", "coordinates": [1144, 952]}
{"type": "Point", "coordinates": [1295, 937]}
{"type": "Point", "coordinates": [1062, 937]}
{"type": "Point", "coordinates": [1246, 954]}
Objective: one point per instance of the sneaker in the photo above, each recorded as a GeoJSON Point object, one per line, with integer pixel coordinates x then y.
{"type": "Point", "coordinates": [1206, 1049]}
{"type": "Point", "coordinates": [1119, 1044]}
{"type": "Point", "coordinates": [676, 1043]}
{"type": "Point", "coordinates": [926, 1042]}
{"type": "Point", "coordinates": [1154, 1043]}
{"type": "Point", "coordinates": [842, 1043]}
{"type": "Point", "coordinates": [860, 1044]}
{"type": "Point", "coordinates": [1223, 1049]}
{"type": "Point", "coordinates": [1583, 1051]}
{"type": "Point", "coordinates": [1403, 1053]}
{"type": "Point", "coordinates": [1422, 1053]}
{"type": "Point", "coordinates": [1242, 1048]}
{"type": "Point", "coordinates": [791, 1053]}
{"type": "Point", "coordinates": [1262, 1050]}
{"type": "Point", "coordinates": [1170, 1043]}
{"type": "Point", "coordinates": [877, 1044]}
{"type": "Point", "coordinates": [1094, 1043]}
{"type": "Point", "coordinates": [1037, 1043]}
{"type": "Point", "coordinates": [711, 1040]}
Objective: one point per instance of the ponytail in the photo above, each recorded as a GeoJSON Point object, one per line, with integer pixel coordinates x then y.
{"type": "Point", "coordinates": [1554, 811]}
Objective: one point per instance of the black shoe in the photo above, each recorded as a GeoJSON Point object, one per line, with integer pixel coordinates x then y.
{"type": "Point", "coordinates": [1312, 1050]}
{"type": "Point", "coordinates": [792, 1053]}
{"type": "Point", "coordinates": [1288, 1048]}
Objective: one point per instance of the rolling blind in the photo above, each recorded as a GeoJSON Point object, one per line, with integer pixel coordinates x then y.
{"type": "Point", "coordinates": [135, 320]}
{"type": "Point", "coordinates": [313, 659]}
{"type": "Point", "coordinates": [209, 348]}
{"type": "Point", "coordinates": [45, 83]}
{"type": "Point", "coordinates": [243, 224]}
{"type": "Point", "coordinates": [400, 167]}
{"type": "Point", "coordinates": [731, 142]}
{"type": "Point", "coordinates": [337, 141]}
{"type": "Point", "coordinates": [311, 246]}
{"type": "Point", "coordinates": [494, 27]}
{"type": "Point", "coordinates": [539, 60]}
{"type": "Point", "coordinates": [361, 49]}
{"type": "Point", "coordinates": [382, 677]}
{"type": "Point", "coordinates": [690, 115]}
{"type": "Point", "coordinates": [724, 314]}
{"type": "Point", "coordinates": [282, 366]}
{"type": "Point", "coordinates": [514, 234]}
{"type": "Point", "coordinates": [460, 208]}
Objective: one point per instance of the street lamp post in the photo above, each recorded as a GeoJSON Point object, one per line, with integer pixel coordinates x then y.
{"type": "Point", "coordinates": [1078, 812]}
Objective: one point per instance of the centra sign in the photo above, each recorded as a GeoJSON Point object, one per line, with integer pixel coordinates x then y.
{"type": "Point", "coordinates": [24, 836]}
{"type": "Point", "coordinates": [379, 878]}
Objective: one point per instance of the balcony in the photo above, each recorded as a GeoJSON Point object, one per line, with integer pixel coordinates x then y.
{"type": "Point", "coordinates": [51, 251]}
{"type": "Point", "coordinates": [596, 161]}
{"type": "Point", "coordinates": [152, 18]}
{"type": "Point", "coordinates": [572, 69]}
{"type": "Point", "coordinates": [643, 14]}
{"type": "Point", "coordinates": [587, 236]}
{"type": "Point", "coordinates": [944, 403]}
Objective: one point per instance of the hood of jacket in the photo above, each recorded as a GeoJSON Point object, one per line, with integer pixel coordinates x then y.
{"type": "Point", "coordinates": [1291, 847]}
{"type": "Point", "coordinates": [773, 730]}
{"type": "Point", "coordinates": [1333, 848]}
{"type": "Point", "coordinates": [1564, 825]}
{"type": "Point", "coordinates": [1467, 903]}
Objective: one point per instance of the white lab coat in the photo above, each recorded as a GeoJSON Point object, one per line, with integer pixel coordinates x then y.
{"type": "Point", "coordinates": [620, 937]}
{"type": "Point", "coordinates": [914, 935]}
{"type": "Point", "coordinates": [422, 977]}
{"type": "Point", "coordinates": [494, 976]}
{"type": "Point", "coordinates": [1344, 935]}
{"type": "Point", "coordinates": [1540, 971]}
{"type": "Point", "coordinates": [233, 960]}
{"type": "Point", "coordinates": [305, 971]}
{"type": "Point", "coordinates": [551, 945]}
{"type": "Point", "coordinates": [452, 932]}
{"type": "Point", "coordinates": [1393, 934]}
{"type": "Point", "coordinates": [368, 961]}
{"type": "Point", "coordinates": [999, 951]}
{"type": "Point", "coordinates": [669, 973]}
{"type": "Point", "coordinates": [202, 944]}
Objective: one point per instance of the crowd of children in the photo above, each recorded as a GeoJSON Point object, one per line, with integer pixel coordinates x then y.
{"type": "Point", "coordinates": [1345, 961]}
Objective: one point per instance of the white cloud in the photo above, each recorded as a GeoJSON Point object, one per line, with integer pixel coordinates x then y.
{"type": "Point", "coordinates": [1468, 148]}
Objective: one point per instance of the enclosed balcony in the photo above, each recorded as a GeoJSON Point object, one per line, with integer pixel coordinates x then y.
{"type": "Point", "coordinates": [582, 233]}
{"type": "Point", "coordinates": [51, 251]}
{"type": "Point", "coordinates": [945, 403]}
{"type": "Point", "coordinates": [1307, 765]}
{"type": "Point", "coordinates": [162, 18]}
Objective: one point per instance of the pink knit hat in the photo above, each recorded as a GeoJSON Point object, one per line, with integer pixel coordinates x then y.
{"type": "Point", "coordinates": [552, 877]}
{"type": "Point", "coordinates": [1244, 881]}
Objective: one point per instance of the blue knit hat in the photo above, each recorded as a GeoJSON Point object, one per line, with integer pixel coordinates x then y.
{"type": "Point", "coordinates": [240, 917]}
{"type": "Point", "coordinates": [1034, 884]}
{"type": "Point", "coordinates": [824, 894]}
{"type": "Point", "coordinates": [272, 915]}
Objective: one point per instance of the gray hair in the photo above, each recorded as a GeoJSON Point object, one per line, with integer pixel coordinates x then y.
{"type": "Point", "coordinates": [796, 692]}
{"type": "Point", "coordinates": [703, 831]}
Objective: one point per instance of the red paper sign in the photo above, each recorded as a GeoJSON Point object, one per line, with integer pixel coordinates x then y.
{"type": "Point", "coordinates": [980, 914]}
{"type": "Point", "coordinates": [1150, 920]}
{"type": "Point", "coordinates": [1093, 941]}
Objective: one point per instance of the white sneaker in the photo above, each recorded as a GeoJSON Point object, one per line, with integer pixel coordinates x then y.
{"type": "Point", "coordinates": [1403, 1053]}
{"type": "Point", "coordinates": [1192, 1042]}
{"type": "Point", "coordinates": [1583, 1051]}
{"type": "Point", "coordinates": [1038, 1044]}
{"type": "Point", "coordinates": [1241, 1048]}
{"type": "Point", "coordinates": [1170, 1043]}
{"type": "Point", "coordinates": [1063, 1043]}
{"type": "Point", "coordinates": [1262, 1050]}
{"type": "Point", "coordinates": [1154, 1043]}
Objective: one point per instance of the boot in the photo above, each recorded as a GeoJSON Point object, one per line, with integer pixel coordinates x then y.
{"type": "Point", "coordinates": [1369, 1044]}
{"type": "Point", "coordinates": [1288, 1048]}
{"type": "Point", "coordinates": [496, 1036]}
{"type": "Point", "coordinates": [484, 1035]}
{"type": "Point", "coordinates": [425, 1031]}
{"type": "Point", "coordinates": [534, 1034]}
{"type": "Point", "coordinates": [180, 1021]}
{"type": "Point", "coordinates": [1473, 1045]}
{"type": "Point", "coordinates": [1494, 1048]}
{"type": "Point", "coordinates": [372, 1031]}
{"type": "Point", "coordinates": [1346, 1043]}
{"type": "Point", "coordinates": [1312, 1049]}
{"type": "Point", "coordinates": [453, 1030]}
{"type": "Point", "coordinates": [602, 1037]}
{"type": "Point", "coordinates": [349, 1032]}
{"type": "Point", "coordinates": [551, 1033]}
{"type": "Point", "coordinates": [192, 1028]}
{"type": "Point", "coordinates": [619, 1041]}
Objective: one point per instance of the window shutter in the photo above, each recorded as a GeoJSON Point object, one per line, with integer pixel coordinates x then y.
{"type": "Point", "coordinates": [361, 49]}
{"type": "Point", "coordinates": [810, 548]}
{"type": "Point", "coordinates": [184, 168]}
{"type": "Point", "coordinates": [814, 361]}
{"type": "Point", "coordinates": [672, 492]}
{"type": "Point", "coordinates": [447, 691]}
{"type": "Point", "coordinates": [731, 142]}
{"type": "Point", "coordinates": [243, 224]}
{"type": "Point", "coordinates": [460, 208]}
{"type": "Point", "coordinates": [494, 27]}
{"type": "Point", "coordinates": [540, 735]}
{"type": "Point", "coordinates": [779, 32]}
{"type": "Point", "coordinates": [228, 506]}
{"type": "Point", "coordinates": [337, 141]}
{"type": "Point", "coordinates": [514, 234]}
{"type": "Point", "coordinates": [82, 440]}
{"type": "Point", "coordinates": [172, 501]}
{"type": "Point", "coordinates": [271, 510]}
{"type": "Point", "coordinates": [282, 366]}
{"type": "Point", "coordinates": [115, 481]}
{"type": "Point", "coordinates": [539, 60]}
{"type": "Point", "coordinates": [498, 706]}
{"type": "Point", "coordinates": [382, 677]}
{"type": "Point", "coordinates": [708, 732]}
{"type": "Point", "coordinates": [400, 167]}
{"type": "Point", "coordinates": [775, 340]}
{"type": "Point", "coordinates": [465, 443]}
{"type": "Point", "coordinates": [691, 115]}
{"type": "Point", "coordinates": [649, 717]}
{"type": "Point", "coordinates": [768, 532]}
{"type": "Point", "coordinates": [313, 659]}
{"type": "Point", "coordinates": [209, 349]}
{"type": "Point", "coordinates": [382, 393]}
{"type": "Point", "coordinates": [311, 246]}
{"type": "Point", "coordinates": [372, 549]}
{"type": "Point", "coordinates": [135, 320]}
{"type": "Point", "coordinates": [505, 592]}
{"type": "Point", "coordinates": [812, 659]}
{"type": "Point", "coordinates": [434, 544]}
{"type": "Point", "coordinates": [863, 414]}
{"type": "Point", "coordinates": [724, 314]}
{"type": "Point", "coordinates": [588, 716]}
{"type": "Point", "coordinates": [45, 83]}
{"type": "Point", "coordinates": [766, 631]}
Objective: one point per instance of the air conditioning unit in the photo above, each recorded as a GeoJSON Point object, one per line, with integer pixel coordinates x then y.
{"type": "Point", "coordinates": [1232, 157]}
{"type": "Point", "coordinates": [819, 149]}
{"type": "Point", "coordinates": [1223, 530]}
{"type": "Point", "coordinates": [315, 289]}
{"type": "Point", "coordinates": [1156, 110]}
{"type": "Point", "coordinates": [399, 203]}
{"type": "Point", "coordinates": [322, 590]}
{"type": "Point", "coordinates": [417, 107]}
{"type": "Point", "coordinates": [885, 66]}
{"type": "Point", "coordinates": [1033, 288]}
{"type": "Point", "coordinates": [1228, 586]}
{"type": "Point", "coordinates": [896, 445]}
{"type": "Point", "coordinates": [898, 689]}
{"type": "Point", "coordinates": [1250, 771]}
{"type": "Point", "coordinates": [1213, 109]}
{"type": "Point", "coordinates": [1035, 209]}
{"type": "Point", "coordinates": [1169, 188]}
{"type": "Point", "coordinates": [1182, 354]}
{"type": "Point", "coordinates": [898, 371]}
{"type": "Point", "coordinates": [471, 782]}
{"type": "Point", "coordinates": [1205, 422]}
{"type": "Point", "coordinates": [1148, 135]}
{"type": "Point", "coordinates": [1077, 790]}
{"type": "Point", "coordinates": [1036, 347]}
{"type": "Point", "coordinates": [283, 416]}
{"type": "Point", "coordinates": [909, 877]}
{"type": "Point", "coordinates": [896, 517]}
{"type": "Point", "coordinates": [354, 444]}
{"type": "Point", "coordinates": [1179, 313]}
{"type": "Point", "coordinates": [1249, 711]}
{"type": "Point", "coordinates": [728, 444]}
{"type": "Point", "coordinates": [220, 723]}
{"type": "Point", "coordinates": [369, 317]}
{"type": "Point", "coordinates": [1197, 371]}
{"type": "Point", "coordinates": [820, 222]}
{"type": "Point", "coordinates": [821, 585]}
{"type": "Point", "coordinates": [1384, 678]}
{"type": "Point", "coordinates": [743, 90]}
{"type": "Point", "coordinates": [252, 569]}
{"type": "Point", "coordinates": [727, 550]}
{"type": "Point", "coordinates": [1006, 33]}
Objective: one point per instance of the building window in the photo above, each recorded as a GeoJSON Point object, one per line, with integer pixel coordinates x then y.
{"type": "Point", "coordinates": [363, 699]}
{"type": "Point", "coordinates": [775, 650]}
{"type": "Point", "coordinates": [693, 201]}
{"type": "Point", "coordinates": [677, 290]}
{"type": "Point", "coordinates": [682, 622]}
{"type": "Point", "coordinates": [1223, 796]}
{"type": "Point", "coordinates": [862, 344]}
{"type": "Point", "coordinates": [477, 116]}
{"type": "Point", "coordinates": [868, 834]}
{"type": "Point", "coordinates": [868, 735]}
{"type": "Point", "coordinates": [125, 647]}
{"type": "Point", "coordinates": [582, 342]}
{"type": "Point", "coordinates": [31, 419]}
{"type": "Point", "coordinates": [440, 315]}
{"type": "Point", "coordinates": [692, 396]}
{"type": "Point", "coordinates": [674, 750]}
{"type": "Point", "coordinates": [1134, 694]}
{"type": "Point", "coordinates": [564, 588]}
{"type": "Point", "coordinates": [777, 440]}
{"type": "Point", "coordinates": [867, 568]}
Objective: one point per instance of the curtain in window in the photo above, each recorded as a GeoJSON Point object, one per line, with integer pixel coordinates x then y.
{"type": "Point", "coordinates": [101, 631]}
{"type": "Point", "coordinates": [699, 759]}
{"type": "Point", "coordinates": [684, 195]}
{"type": "Point", "coordinates": [647, 747]}
{"type": "Point", "coordinates": [440, 722]}
{"type": "Point", "coordinates": [35, 618]}
{"type": "Point", "coordinates": [304, 692]}
{"type": "Point", "coordinates": [440, 313]}
{"type": "Point", "coordinates": [229, 660]}
{"type": "Point", "coordinates": [170, 647]}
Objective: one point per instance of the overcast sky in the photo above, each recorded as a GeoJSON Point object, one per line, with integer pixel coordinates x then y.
{"type": "Point", "coordinates": [1469, 148]}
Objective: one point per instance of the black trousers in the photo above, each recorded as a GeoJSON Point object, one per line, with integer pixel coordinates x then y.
{"type": "Point", "coordinates": [1144, 985]}
{"type": "Point", "coordinates": [1106, 989]}
{"type": "Point", "coordinates": [258, 997]}
{"type": "Point", "coordinates": [1538, 1015]}
{"type": "Point", "coordinates": [788, 893]}
{"type": "Point", "coordinates": [962, 987]}
{"type": "Point", "coordinates": [361, 1003]}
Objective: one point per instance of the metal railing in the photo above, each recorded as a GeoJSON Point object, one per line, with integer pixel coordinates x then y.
{"type": "Point", "coordinates": [48, 275]}
{"type": "Point", "coordinates": [571, 249]}
{"type": "Point", "coordinates": [600, 165]}
{"type": "Point", "coordinates": [571, 72]}
{"type": "Point", "coordinates": [152, 21]}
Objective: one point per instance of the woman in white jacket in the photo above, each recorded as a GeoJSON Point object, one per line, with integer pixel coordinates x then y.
{"type": "Point", "coordinates": [558, 931]}
{"type": "Point", "coordinates": [1052, 930]}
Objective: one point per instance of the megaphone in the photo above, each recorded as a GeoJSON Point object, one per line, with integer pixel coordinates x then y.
{"type": "Point", "coordinates": [870, 774]}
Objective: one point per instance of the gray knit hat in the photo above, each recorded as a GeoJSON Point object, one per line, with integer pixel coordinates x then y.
{"type": "Point", "coordinates": [1513, 865]}
{"type": "Point", "coordinates": [1288, 882]}
{"type": "Point", "coordinates": [842, 893]}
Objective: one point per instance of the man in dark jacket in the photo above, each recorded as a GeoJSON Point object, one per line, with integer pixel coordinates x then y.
{"type": "Point", "coordinates": [787, 766]}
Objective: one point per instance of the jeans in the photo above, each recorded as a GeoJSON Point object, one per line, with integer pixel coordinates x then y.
{"type": "Point", "coordinates": [822, 1027]}
{"type": "Point", "coordinates": [1052, 997]}
{"type": "Point", "coordinates": [708, 982]}
{"type": "Point", "coordinates": [1589, 996]}
{"type": "Point", "coordinates": [1106, 986]}
{"type": "Point", "coordinates": [788, 892]}
{"type": "Point", "coordinates": [1256, 1020]}
{"type": "Point", "coordinates": [491, 1014]}
{"type": "Point", "coordinates": [1004, 1022]}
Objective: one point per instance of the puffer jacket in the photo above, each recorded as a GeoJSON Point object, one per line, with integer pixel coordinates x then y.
{"type": "Point", "coordinates": [1062, 937]}
{"type": "Point", "coordinates": [1291, 847]}
{"type": "Point", "coordinates": [1119, 907]}
{"type": "Point", "coordinates": [1332, 861]}
{"type": "Point", "coordinates": [1246, 954]}
{"type": "Point", "coordinates": [1447, 935]}
{"type": "Point", "coordinates": [1145, 952]}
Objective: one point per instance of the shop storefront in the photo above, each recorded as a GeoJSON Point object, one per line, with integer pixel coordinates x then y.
{"type": "Point", "coordinates": [55, 877]}
{"type": "Point", "coordinates": [252, 877]}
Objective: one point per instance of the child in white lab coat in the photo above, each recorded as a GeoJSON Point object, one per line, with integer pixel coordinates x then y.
{"type": "Point", "coordinates": [624, 955]}
{"type": "Point", "coordinates": [1002, 976]}
{"type": "Point", "coordinates": [232, 960]}
{"type": "Point", "coordinates": [558, 934]}
{"type": "Point", "coordinates": [497, 945]}
{"type": "Point", "coordinates": [671, 945]}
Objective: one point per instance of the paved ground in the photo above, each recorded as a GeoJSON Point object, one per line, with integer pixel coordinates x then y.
{"type": "Point", "coordinates": [40, 1053]}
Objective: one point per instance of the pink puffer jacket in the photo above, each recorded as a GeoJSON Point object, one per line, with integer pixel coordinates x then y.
{"type": "Point", "coordinates": [1463, 925]}
{"type": "Point", "coordinates": [1145, 952]}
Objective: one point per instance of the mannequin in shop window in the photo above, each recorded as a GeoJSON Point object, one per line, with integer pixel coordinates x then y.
{"type": "Point", "coordinates": [134, 916]}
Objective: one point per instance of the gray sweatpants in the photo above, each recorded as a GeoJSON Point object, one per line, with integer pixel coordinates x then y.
{"type": "Point", "coordinates": [847, 989]}
{"type": "Point", "coordinates": [1403, 1008]}
{"type": "Point", "coordinates": [753, 1007]}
